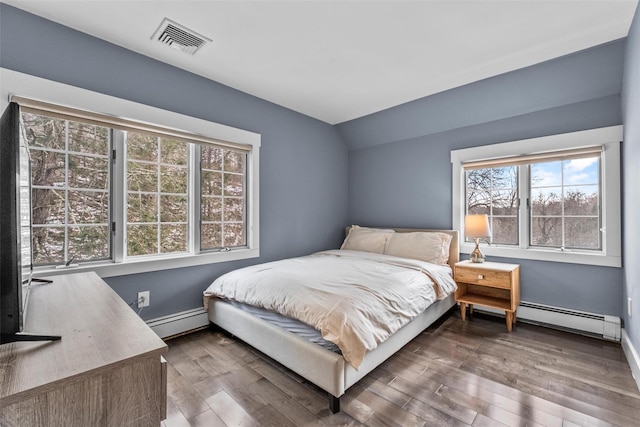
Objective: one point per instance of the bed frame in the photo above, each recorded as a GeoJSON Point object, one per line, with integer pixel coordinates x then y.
{"type": "Point", "coordinates": [324, 368]}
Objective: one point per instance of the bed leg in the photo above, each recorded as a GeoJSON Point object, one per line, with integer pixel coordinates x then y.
{"type": "Point", "coordinates": [334, 404]}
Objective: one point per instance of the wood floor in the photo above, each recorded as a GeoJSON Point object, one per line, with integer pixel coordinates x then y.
{"type": "Point", "coordinates": [454, 374]}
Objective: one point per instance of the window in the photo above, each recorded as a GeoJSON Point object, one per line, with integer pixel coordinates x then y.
{"type": "Point", "coordinates": [223, 190]}
{"type": "Point", "coordinates": [71, 190]}
{"type": "Point", "coordinates": [494, 191]}
{"type": "Point", "coordinates": [157, 195]}
{"type": "Point", "coordinates": [122, 196]}
{"type": "Point", "coordinates": [560, 201]}
{"type": "Point", "coordinates": [70, 197]}
{"type": "Point", "coordinates": [565, 204]}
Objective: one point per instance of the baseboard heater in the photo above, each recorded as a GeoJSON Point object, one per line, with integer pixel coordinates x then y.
{"type": "Point", "coordinates": [597, 325]}
{"type": "Point", "coordinates": [179, 323]}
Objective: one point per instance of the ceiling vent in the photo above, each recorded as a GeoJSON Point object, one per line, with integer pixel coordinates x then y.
{"type": "Point", "coordinates": [179, 37]}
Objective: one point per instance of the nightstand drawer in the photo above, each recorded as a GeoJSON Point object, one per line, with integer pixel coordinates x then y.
{"type": "Point", "coordinates": [495, 279]}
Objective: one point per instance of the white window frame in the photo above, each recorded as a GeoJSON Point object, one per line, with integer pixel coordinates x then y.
{"type": "Point", "coordinates": [610, 138]}
{"type": "Point", "coordinates": [24, 85]}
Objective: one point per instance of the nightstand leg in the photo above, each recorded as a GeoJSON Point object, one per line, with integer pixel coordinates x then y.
{"type": "Point", "coordinates": [509, 321]}
{"type": "Point", "coordinates": [463, 311]}
{"type": "Point", "coordinates": [470, 309]}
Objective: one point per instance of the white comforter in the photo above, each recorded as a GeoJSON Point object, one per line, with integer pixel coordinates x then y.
{"type": "Point", "coordinates": [355, 299]}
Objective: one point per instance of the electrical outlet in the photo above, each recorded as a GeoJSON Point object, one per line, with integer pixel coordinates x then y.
{"type": "Point", "coordinates": [143, 299]}
{"type": "Point", "coordinates": [629, 306]}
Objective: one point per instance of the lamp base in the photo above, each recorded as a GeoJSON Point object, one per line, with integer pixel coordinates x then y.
{"type": "Point", "coordinates": [477, 255]}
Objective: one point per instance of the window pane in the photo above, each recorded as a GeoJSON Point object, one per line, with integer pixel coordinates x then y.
{"type": "Point", "coordinates": [70, 177]}
{"type": "Point", "coordinates": [211, 236]}
{"type": "Point", "coordinates": [582, 233]}
{"type": "Point", "coordinates": [233, 235]}
{"type": "Point", "coordinates": [546, 202]}
{"type": "Point", "coordinates": [222, 176]}
{"type": "Point", "coordinates": [47, 206]}
{"type": "Point", "coordinates": [546, 231]}
{"type": "Point", "coordinates": [89, 243]}
{"type": "Point", "coordinates": [211, 208]}
{"type": "Point", "coordinates": [233, 209]}
{"type": "Point", "coordinates": [173, 179]}
{"type": "Point", "coordinates": [546, 174]}
{"type": "Point", "coordinates": [173, 208]}
{"type": "Point", "coordinates": [142, 240]}
{"type": "Point", "coordinates": [494, 192]}
{"type": "Point", "coordinates": [173, 238]}
{"type": "Point", "coordinates": [142, 176]}
{"type": "Point", "coordinates": [234, 161]}
{"type": "Point", "coordinates": [42, 131]}
{"type": "Point", "coordinates": [86, 138]}
{"type": "Point", "coordinates": [479, 202]}
{"type": "Point", "coordinates": [142, 207]}
{"type": "Point", "coordinates": [211, 157]}
{"type": "Point", "coordinates": [47, 168]}
{"type": "Point", "coordinates": [233, 184]}
{"type": "Point", "coordinates": [142, 147]}
{"type": "Point", "coordinates": [504, 230]}
{"type": "Point", "coordinates": [211, 183]}
{"type": "Point", "coordinates": [504, 177]}
{"type": "Point", "coordinates": [88, 207]}
{"type": "Point", "coordinates": [565, 204]}
{"type": "Point", "coordinates": [88, 172]}
{"type": "Point", "coordinates": [505, 202]}
{"type": "Point", "coordinates": [581, 171]}
{"type": "Point", "coordinates": [173, 152]}
{"type": "Point", "coordinates": [157, 200]}
{"type": "Point", "coordinates": [48, 245]}
{"type": "Point", "coordinates": [581, 200]}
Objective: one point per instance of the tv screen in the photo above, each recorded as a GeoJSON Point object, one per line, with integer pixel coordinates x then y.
{"type": "Point", "coordinates": [15, 230]}
{"type": "Point", "coordinates": [10, 261]}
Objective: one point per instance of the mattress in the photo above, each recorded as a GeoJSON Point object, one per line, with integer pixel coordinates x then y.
{"type": "Point", "coordinates": [292, 325]}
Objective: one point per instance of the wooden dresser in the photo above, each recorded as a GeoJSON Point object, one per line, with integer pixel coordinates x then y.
{"type": "Point", "coordinates": [107, 370]}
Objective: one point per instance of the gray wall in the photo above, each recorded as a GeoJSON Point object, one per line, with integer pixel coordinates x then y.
{"type": "Point", "coordinates": [631, 163]}
{"type": "Point", "coordinates": [303, 165]}
{"type": "Point", "coordinates": [400, 167]}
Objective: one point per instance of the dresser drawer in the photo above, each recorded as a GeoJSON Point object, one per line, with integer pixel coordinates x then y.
{"type": "Point", "coordinates": [495, 279]}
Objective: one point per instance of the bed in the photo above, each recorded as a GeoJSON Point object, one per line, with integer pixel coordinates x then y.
{"type": "Point", "coordinates": [335, 371]}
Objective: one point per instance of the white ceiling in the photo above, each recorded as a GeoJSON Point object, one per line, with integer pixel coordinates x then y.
{"type": "Point", "coordinates": [339, 60]}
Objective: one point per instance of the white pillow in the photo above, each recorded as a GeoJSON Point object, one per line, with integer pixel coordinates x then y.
{"type": "Point", "coordinates": [367, 239]}
{"type": "Point", "coordinates": [426, 246]}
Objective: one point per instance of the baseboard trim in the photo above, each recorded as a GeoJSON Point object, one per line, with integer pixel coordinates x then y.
{"type": "Point", "coordinates": [590, 324]}
{"type": "Point", "coordinates": [632, 357]}
{"type": "Point", "coordinates": [179, 323]}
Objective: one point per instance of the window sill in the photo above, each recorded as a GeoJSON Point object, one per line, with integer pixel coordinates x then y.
{"type": "Point", "coordinates": [570, 257]}
{"type": "Point", "coordinates": [109, 269]}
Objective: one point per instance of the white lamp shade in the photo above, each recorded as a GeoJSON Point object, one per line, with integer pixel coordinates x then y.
{"type": "Point", "coordinates": [476, 226]}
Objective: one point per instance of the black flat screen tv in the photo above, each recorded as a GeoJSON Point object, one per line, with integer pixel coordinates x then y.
{"type": "Point", "coordinates": [15, 230]}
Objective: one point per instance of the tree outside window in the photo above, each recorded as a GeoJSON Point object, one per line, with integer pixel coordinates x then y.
{"type": "Point", "coordinates": [494, 191]}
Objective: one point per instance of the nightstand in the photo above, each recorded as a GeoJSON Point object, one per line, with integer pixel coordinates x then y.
{"type": "Point", "coordinates": [491, 284]}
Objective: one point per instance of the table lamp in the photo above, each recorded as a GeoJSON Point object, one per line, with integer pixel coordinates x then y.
{"type": "Point", "coordinates": [476, 227]}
